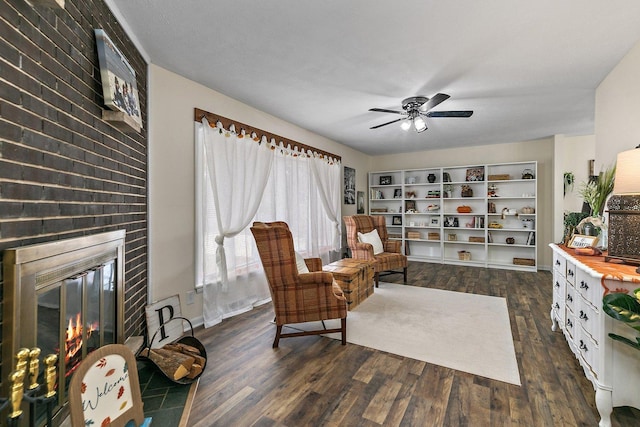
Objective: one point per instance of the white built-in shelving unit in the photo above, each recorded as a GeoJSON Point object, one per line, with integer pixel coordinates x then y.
{"type": "Point", "coordinates": [426, 210]}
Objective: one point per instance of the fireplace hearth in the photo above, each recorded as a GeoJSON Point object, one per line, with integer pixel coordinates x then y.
{"type": "Point", "coordinates": [65, 297]}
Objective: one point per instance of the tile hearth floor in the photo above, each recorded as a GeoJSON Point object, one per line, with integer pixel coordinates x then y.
{"type": "Point", "coordinates": [164, 400]}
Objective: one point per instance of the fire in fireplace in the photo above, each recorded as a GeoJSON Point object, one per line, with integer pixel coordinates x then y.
{"type": "Point", "coordinates": [66, 298]}
{"type": "Point", "coordinates": [74, 338]}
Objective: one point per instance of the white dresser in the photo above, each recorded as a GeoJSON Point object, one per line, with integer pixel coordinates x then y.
{"type": "Point", "coordinates": [579, 283]}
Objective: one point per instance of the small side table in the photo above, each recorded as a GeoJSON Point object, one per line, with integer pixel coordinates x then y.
{"type": "Point", "coordinates": [355, 277]}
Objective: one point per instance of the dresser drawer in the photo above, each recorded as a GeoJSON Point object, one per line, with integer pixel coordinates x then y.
{"type": "Point", "coordinates": [559, 263]}
{"type": "Point", "coordinates": [570, 298]}
{"type": "Point", "coordinates": [559, 285]}
{"type": "Point", "coordinates": [570, 325]}
{"type": "Point", "coordinates": [571, 272]}
{"type": "Point", "coordinates": [590, 289]}
{"type": "Point", "coordinates": [587, 317]}
{"type": "Point", "coordinates": [587, 351]}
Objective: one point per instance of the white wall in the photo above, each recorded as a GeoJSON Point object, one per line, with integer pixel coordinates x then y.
{"type": "Point", "coordinates": [171, 175]}
{"type": "Point", "coordinates": [571, 154]}
{"type": "Point", "coordinates": [539, 150]}
{"type": "Point", "coordinates": [617, 121]}
{"type": "Point", "coordinates": [577, 151]}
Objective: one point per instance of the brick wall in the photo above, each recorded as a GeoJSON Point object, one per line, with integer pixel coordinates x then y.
{"type": "Point", "coordinates": [64, 172]}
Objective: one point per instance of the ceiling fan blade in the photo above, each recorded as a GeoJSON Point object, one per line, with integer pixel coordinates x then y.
{"type": "Point", "coordinates": [384, 124]}
{"type": "Point", "coordinates": [449, 114]}
{"type": "Point", "coordinates": [437, 99]}
{"type": "Point", "coordinates": [384, 110]}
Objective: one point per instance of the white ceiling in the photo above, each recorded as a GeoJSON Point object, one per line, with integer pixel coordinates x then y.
{"type": "Point", "coordinates": [528, 70]}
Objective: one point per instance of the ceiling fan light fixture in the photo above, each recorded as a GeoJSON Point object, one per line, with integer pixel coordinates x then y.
{"type": "Point", "coordinates": [416, 108]}
{"type": "Point", "coordinates": [419, 124]}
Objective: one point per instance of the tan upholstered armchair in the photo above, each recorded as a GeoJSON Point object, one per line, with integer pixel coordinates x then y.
{"type": "Point", "coordinates": [389, 260]}
{"type": "Point", "coordinates": [297, 298]}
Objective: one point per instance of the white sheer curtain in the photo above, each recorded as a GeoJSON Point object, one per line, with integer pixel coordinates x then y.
{"type": "Point", "coordinates": [327, 176]}
{"type": "Point", "coordinates": [237, 169]}
{"type": "Point", "coordinates": [292, 193]}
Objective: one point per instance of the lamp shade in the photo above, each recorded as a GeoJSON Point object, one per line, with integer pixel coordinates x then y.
{"type": "Point", "coordinates": [419, 124]}
{"type": "Point", "coordinates": [627, 173]}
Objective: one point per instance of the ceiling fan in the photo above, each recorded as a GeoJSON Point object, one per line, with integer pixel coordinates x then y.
{"type": "Point", "coordinates": [416, 108]}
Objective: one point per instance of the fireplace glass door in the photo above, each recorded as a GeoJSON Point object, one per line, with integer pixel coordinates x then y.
{"type": "Point", "coordinates": [76, 316]}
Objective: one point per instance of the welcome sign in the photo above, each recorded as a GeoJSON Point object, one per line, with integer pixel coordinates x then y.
{"type": "Point", "coordinates": [106, 390]}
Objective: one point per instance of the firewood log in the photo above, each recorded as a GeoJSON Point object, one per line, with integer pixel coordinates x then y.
{"type": "Point", "coordinates": [195, 371]}
{"type": "Point", "coordinates": [183, 348]}
{"type": "Point", "coordinates": [189, 350]}
{"type": "Point", "coordinates": [184, 359]}
{"type": "Point", "coordinates": [174, 364]}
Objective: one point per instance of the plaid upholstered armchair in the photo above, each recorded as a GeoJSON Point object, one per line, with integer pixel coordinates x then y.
{"type": "Point", "coordinates": [391, 257]}
{"type": "Point", "coordinates": [297, 297]}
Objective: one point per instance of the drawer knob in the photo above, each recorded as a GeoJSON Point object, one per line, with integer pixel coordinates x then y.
{"type": "Point", "coordinates": [556, 305]}
{"type": "Point", "coordinates": [557, 262]}
{"type": "Point", "coordinates": [569, 323]}
{"type": "Point", "coordinates": [583, 315]}
{"type": "Point", "coordinates": [583, 346]}
{"type": "Point", "coordinates": [557, 285]}
{"type": "Point", "coordinates": [570, 272]}
{"type": "Point", "coordinates": [584, 285]}
{"type": "Point", "coordinates": [569, 298]}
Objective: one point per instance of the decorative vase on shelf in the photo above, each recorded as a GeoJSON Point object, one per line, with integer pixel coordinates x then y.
{"type": "Point", "coordinates": [603, 233]}
{"type": "Point", "coordinates": [431, 178]}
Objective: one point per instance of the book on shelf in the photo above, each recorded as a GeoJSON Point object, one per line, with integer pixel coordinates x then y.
{"type": "Point", "coordinates": [477, 222]}
{"type": "Point", "coordinates": [531, 239]}
{"type": "Point", "coordinates": [376, 195]}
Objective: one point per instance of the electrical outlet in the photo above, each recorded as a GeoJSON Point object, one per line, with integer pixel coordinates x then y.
{"type": "Point", "coordinates": [191, 296]}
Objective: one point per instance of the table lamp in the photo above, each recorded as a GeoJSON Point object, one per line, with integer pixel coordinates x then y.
{"type": "Point", "coordinates": [624, 210]}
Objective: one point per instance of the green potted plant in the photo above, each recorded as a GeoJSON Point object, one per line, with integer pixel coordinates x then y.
{"type": "Point", "coordinates": [625, 308]}
{"type": "Point", "coordinates": [571, 221]}
{"type": "Point", "coordinates": [595, 192]}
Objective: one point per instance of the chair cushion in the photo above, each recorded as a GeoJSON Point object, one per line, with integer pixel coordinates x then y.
{"type": "Point", "coordinates": [372, 238]}
{"type": "Point", "coordinates": [302, 266]}
{"type": "Point", "coordinates": [390, 261]}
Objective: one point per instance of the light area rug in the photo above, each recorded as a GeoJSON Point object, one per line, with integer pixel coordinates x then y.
{"type": "Point", "coordinates": [465, 332]}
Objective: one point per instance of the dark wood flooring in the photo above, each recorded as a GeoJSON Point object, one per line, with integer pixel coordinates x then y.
{"type": "Point", "coordinates": [314, 381]}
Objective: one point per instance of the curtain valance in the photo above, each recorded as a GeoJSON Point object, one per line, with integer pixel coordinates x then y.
{"type": "Point", "coordinates": [213, 118]}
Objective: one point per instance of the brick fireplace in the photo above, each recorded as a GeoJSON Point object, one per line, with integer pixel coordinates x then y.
{"type": "Point", "coordinates": [65, 297]}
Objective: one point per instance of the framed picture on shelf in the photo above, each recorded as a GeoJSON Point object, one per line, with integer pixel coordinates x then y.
{"type": "Point", "coordinates": [397, 193]}
{"type": "Point", "coordinates": [435, 222]}
{"type": "Point", "coordinates": [386, 180]}
{"type": "Point", "coordinates": [410, 206]}
{"type": "Point", "coordinates": [582, 241]}
{"type": "Point", "coordinates": [119, 87]}
{"type": "Point", "coordinates": [475, 174]}
{"type": "Point", "coordinates": [396, 220]}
